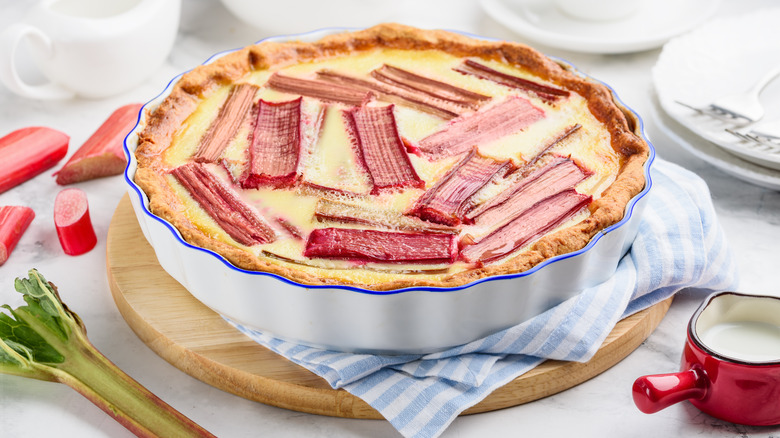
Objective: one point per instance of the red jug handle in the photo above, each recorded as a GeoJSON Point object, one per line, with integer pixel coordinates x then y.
{"type": "Point", "coordinates": [659, 391]}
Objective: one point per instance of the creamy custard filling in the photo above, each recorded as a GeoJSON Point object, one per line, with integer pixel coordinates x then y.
{"type": "Point", "coordinates": [330, 166]}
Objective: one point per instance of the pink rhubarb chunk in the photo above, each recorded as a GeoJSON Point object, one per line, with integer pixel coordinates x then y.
{"type": "Point", "coordinates": [447, 201]}
{"type": "Point", "coordinates": [275, 145]}
{"type": "Point", "coordinates": [224, 205]}
{"type": "Point", "coordinates": [319, 89]}
{"type": "Point", "coordinates": [506, 118]}
{"type": "Point", "coordinates": [27, 152]}
{"type": "Point", "coordinates": [545, 92]}
{"type": "Point", "coordinates": [14, 220]}
{"type": "Point", "coordinates": [71, 219]}
{"type": "Point", "coordinates": [543, 217]}
{"type": "Point", "coordinates": [560, 174]}
{"type": "Point", "coordinates": [102, 154]}
{"type": "Point", "coordinates": [381, 246]}
{"type": "Point", "coordinates": [229, 119]}
{"type": "Point", "coordinates": [381, 150]}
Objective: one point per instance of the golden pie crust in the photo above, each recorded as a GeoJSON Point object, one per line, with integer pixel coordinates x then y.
{"type": "Point", "coordinates": [165, 120]}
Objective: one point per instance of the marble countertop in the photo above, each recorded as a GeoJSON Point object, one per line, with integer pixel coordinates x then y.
{"type": "Point", "coordinates": [749, 214]}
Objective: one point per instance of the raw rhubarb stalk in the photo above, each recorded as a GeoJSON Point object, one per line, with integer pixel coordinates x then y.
{"type": "Point", "coordinates": [222, 204]}
{"type": "Point", "coordinates": [544, 92]}
{"type": "Point", "coordinates": [381, 150]}
{"type": "Point", "coordinates": [332, 211]}
{"type": "Point", "coordinates": [506, 118]}
{"type": "Point", "coordinates": [229, 119]}
{"type": "Point", "coordinates": [71, 218]}
{"type": "Point", "coordinates": [381, 246]}
{"type": "Point", "coordinates": [14, 220]}
{"type": "Point", "coordinates": [102, 154]}
{"type": "Point", "coordinates": [27, 152]}
{"type": "Point", "coordinates": [275, 145]}
{"type": "Point", "coordinates": [559, 175]}
{"type": "Point", "coordinates": [47, 341]}
{"type": "Point", "coordinates": [540, 219]}
{"type": "Point", "coordinates": [437, 90]}
{"type": "Point", "coordinates": [448, 200]}
{"type": "Point", "coordinates": [319, 89]}
{"type": "Point", "coordinates": [392, 94]}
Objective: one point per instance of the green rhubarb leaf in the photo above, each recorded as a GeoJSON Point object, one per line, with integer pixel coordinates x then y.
{"type": "Point", "coordinates": [24, 339]}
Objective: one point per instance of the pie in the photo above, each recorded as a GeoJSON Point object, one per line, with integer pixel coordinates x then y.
{"type": "Point", "coordinates": [390, 157]}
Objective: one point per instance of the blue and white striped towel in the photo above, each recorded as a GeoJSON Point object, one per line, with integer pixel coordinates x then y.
{"type": "Point", "coordinates": [679, 245]}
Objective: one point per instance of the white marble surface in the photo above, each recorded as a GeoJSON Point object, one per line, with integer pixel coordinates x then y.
{"type": "Point", "coordinates": [600, 407]}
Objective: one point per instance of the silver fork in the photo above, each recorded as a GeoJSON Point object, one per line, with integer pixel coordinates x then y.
{"type": "Point", "coordinates": [765, 133]}
{"type": "Point", "coordinates": [739, 109]}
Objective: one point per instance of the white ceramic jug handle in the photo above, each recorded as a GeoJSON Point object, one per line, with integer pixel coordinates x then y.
{"type": "Point", "coordinates": [9, 42]}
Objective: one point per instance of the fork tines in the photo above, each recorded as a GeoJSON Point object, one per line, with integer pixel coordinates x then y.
{"type": "Point", "coordinates": [719, 113]}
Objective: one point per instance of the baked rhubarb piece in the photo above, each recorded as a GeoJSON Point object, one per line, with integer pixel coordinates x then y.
{"type": "Point", "coordinates": [388, 158]}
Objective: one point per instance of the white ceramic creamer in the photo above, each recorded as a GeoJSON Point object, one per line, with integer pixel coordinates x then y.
{"type": "Point", "coordinates": [89, 48]}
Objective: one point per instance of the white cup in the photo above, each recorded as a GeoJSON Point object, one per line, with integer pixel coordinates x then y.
{"type": "Point", "coordinates": [598, 10]}
{"type": "Point", "coordinates": [90, 48]}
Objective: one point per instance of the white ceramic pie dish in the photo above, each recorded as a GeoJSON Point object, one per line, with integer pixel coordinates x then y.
{"type": "Point", "coordinates": [410, 320]}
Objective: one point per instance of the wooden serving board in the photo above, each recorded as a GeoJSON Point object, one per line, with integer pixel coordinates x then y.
{"type": "Point", "coordinates": [198, 341]}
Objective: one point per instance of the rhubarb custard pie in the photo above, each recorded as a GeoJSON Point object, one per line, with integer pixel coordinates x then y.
{"type": "Point", "coordinates": [389, 158]}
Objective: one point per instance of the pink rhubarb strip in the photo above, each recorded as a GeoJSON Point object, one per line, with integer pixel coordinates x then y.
{"type": "Point", "coordinates": [14, 220]}
{"type": "Point", "coordinates": [431, 92]}
{"type": "Point", "coordinates": [381, 246]}
{"type": "Point", "coordinates": [506, 118]}
{"type": "Point", "coordinates": [392, 94]}
{"type": "Point", "coordinates": [381, 150]}
{"type": "Point", "coordinates": [224, 128]}
{"type": "Point", "coordinates": [543, 217]}
{"type": "Point", "coordinates": [275, 145]}
{"type": "Point", "coordinates": [319, 89]}
{"type": "Point", "coordinates": [223, 205]}
{"type": "Point", "coordinates": [545, 92]}
{"type": "Point", "coordinates": [560, 174]}
{"type": "Point", "coordinates": [447, 201]}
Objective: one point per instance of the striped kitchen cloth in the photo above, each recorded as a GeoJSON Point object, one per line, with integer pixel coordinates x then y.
{"type": "Point", "coordinates": [679, 245]}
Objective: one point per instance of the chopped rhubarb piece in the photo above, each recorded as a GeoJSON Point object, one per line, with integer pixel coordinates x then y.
{"type": "Point", "coordinates": [394, 94]}
{"type": "Point", "coordinates": [381, 246]}
{"type": "Point", "coordinates": [229, 119]}
{"type": "Point", "coordinates": [545, 92]}
{"type": "Point", "coordinates": [27, 152]}
{"type": "Point", "coordinates": [543, 217]}
{"type": "Point", "coordinates": [333, 211]}
{"type": "Point", "coordinates": [382, 151]}
{"type": "Point", "coordinates": [448, 200]}
{"type": "Point", "coordinates": [508, 117]}
{"type": "Point", "coordinates": [102, 154]}
{"type": "Point", "coordinates": [275, 145]}
{"type": "Point", "coordinates": [224, 205]}
{"type": "Point", "coordinates": [319, 89]}
{"type": "Point", "coordinates": [560, 174]}
{"type": "Point", "coordinates": [71, 219]}
{"type": "Point", "coordinates": [14, 220]}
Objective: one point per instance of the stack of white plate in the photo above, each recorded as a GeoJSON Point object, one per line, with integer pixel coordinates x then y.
{"type": "Point", "coordinates": [725, 56]}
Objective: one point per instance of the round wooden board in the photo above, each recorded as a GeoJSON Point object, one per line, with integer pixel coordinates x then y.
{"type": "Point", "coordinates": [198, 341]}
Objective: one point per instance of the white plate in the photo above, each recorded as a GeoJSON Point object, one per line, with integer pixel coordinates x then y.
{"type": "Point", "coordinates": [724, 56]}
{"type": "Point", "coordinates": [650, 26]}
{"type": "Point", "coordinates": [713, 154]}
